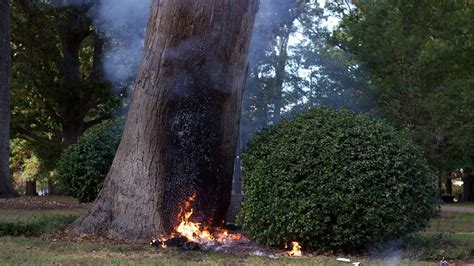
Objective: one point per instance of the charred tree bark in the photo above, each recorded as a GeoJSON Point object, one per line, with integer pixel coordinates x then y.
{"type": "Point", "coordinates": [6, 189]}
{"type": "Point", "coordinates": [181, 131]}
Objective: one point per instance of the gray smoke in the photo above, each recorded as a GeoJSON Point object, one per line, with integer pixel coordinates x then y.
{"type": "Point", "coordinates": [390, 253]}
{"type": "Point", "coordinates": [124, 23]}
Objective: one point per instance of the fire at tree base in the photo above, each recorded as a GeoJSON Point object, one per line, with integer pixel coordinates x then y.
{"type": "Point", "coordinates": [193, 236]}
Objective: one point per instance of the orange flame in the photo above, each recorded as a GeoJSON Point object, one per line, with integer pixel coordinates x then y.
{"type": "Point", "coordinates": [162, 240]}
{"type": "Point", "coordinates": [296, 250]}
{"type": "Point", "coordinates": [194, 232]}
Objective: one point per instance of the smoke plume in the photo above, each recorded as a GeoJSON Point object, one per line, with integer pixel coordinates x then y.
{"type": "Point", "coordinates": [123, 22]}
{"type": "Point", "coordinates": [122, 25]}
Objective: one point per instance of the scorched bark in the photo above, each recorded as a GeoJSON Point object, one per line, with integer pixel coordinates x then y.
{"type": "Point", "coordinates": [181, 130]}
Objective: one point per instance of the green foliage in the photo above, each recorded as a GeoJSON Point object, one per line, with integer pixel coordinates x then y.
{"type": "Point", "coordinates": [453, 105]}
{"type": "Point", "coordinates": [293, 67]}
{"type": "Point", "coordinates": [84, 165]}
{"type": "Point", "coordinates": [30, 162]}
{"type": "Point", "coordinates": [332, 180]}
{"type": "Point", "coordinates": [58, 90]}
{"type": "Point", "coordinates": [31, 168]}
{"type": "Point", "coordinates": [34, 226]}
{"type": "Point", "coordinates": [419, 56]}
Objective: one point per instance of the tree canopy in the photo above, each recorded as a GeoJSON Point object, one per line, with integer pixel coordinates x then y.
{"type": "Point", "coordinates": [58, 88]}
{"type": "Point", "coordinates": [408, 62]}
{"type": "Point", "coordinates": [420, 59]}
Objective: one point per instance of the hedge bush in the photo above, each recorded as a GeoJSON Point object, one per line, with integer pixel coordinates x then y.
{"type": "Point", "coordinates": [334, 181]}
{"type": "Point", "coordinates": [84, 165]}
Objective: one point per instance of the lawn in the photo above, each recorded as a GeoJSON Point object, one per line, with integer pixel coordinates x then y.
{"type": "Point", "coordinates": [36, 251]}
{"type": "Point", "coordinates": [32, 244]}
{"type": "Point", "coordinates": [453, 222]}
{"type": "Point", "coordinates": [461, 204]}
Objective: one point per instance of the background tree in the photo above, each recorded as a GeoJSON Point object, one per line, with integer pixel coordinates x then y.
{"type": "Point", "coordinates": [6, 189]}
{"type": "Point", "coordinates": [59, 89]}
{"type": "Point", "coordinates": [295, 67]}
{"type": "Point", "coordinates": [181, 130]}
{"type": "Point", "coordinates": [419, 56]}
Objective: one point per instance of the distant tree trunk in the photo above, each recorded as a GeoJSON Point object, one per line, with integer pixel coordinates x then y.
{"type": "Point", "coordinates": [72, 129]}
{"type": "Point", "coordinates": [449, 185]}
{"type": "Point", "coordinates": [181, 131]}
{"type": "Point", "coordinates": [468, 193]}
{"type": "Point", "coordinates": [6, 189]}
{"type": "Point", "coordinates": [31, 188]}
{"type": "Point", "coordinates": [72, 32]}
{"type": "Point", "coordinates": [280, 73]}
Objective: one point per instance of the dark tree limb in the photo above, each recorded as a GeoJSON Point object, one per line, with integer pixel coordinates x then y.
{"type": "Point", "coordinates": [34, 137]}
{"type": "Point", "coordinates": [97, 121]}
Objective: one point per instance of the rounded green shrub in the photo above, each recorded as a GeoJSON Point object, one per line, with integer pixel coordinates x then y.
{"type": "Point", "coordinates": [84, 165]}
{"type": "Point", "coordinates": [332, 180]}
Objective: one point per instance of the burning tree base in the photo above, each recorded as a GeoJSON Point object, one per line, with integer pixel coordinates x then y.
{"type": "Point", "coordinates": [194, 236]}
{"type": "Point", "coordinates": [200, 244]}
{"type": "Point", "coordinates": [190, 235]}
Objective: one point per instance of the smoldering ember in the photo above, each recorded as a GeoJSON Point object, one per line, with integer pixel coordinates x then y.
{"type": "Point", "coordinates": [321, 132]}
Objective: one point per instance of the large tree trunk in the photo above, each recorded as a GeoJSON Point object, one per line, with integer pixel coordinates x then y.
{"type": "Point", "coordinates": [181, 131]}
{"type": "Point", "coordinates": [6, 189]}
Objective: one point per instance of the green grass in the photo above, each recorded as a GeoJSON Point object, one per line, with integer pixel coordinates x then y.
{"type": "Point", "coordinates": [458, 236]}
{"type": "Point", "coordinates": [461, 204]}
{"type": "Point", "coordinates": [430, 246]}
{"type": "Point", "coordinates": [7, 215]}
{"type": "Point", "coordinates": [37, 252]}
{"type": "Point", "coordinates": [27, 222]}
{"type": "Point", "coordinates": [453, 222]}
{"type": "Point", "coordinates": [34, 225]}
{"type": "Point", "coordinates": [450, 236]}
